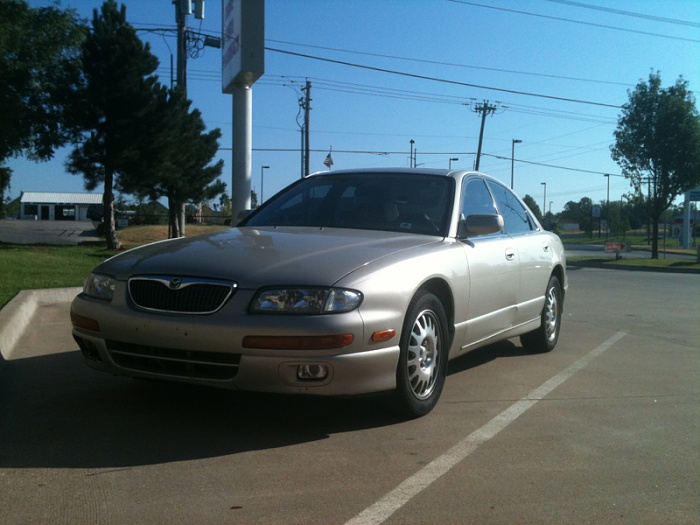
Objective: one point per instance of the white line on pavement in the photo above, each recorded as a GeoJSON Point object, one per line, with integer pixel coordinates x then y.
{"type": "Point", "coordinates": [381, 510]}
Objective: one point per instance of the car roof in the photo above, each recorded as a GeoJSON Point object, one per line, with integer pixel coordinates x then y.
{"type": "Point", "coordinates": [455, 174]}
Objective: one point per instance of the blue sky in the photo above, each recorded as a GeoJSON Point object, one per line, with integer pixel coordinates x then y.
{"type": "Point", "coordinates": [524, 57]}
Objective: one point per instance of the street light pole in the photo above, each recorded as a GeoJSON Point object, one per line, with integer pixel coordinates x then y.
{"type": "Point", "coordinates": [512, 160]}
{"type": "Point", "coordinates": [607, 209]}
{"type": "Point", "coordinates": [450, 164]}
{"type": "Point", "coordinates": [261, 182]}
{"type": "Point", "coordinates": [544, 201]}
{"type": "Point", "coordinates": [410, 161]}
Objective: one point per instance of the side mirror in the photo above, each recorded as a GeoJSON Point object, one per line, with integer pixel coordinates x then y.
{"type": "Point", "coordinates": [476, 225]}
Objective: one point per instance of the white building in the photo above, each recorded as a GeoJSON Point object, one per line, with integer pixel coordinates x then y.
{"type": "Point", "coordinates": [48, 206]}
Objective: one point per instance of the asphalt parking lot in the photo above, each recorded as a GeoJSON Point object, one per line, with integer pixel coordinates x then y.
{"type": "Point", "coordinates": [603, 430]}
{"type": "Point", "coordinates": [47, 232]}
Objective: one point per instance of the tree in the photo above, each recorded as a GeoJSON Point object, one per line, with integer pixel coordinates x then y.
{"type": "Point", "coordinates": [113, 108]}
{"type": "Point", "coordinates": [616, 217]}
{"type": "Point", "coordinates": [581, 212]}
{"type": "Point", "coordinates": [178, 165]}
{"type": "Point", "coordinates": [534, 208]}
{"type": "Point", "coordinates": [657, 145]}
{"type": "Point", "coordinates": [39, 69]}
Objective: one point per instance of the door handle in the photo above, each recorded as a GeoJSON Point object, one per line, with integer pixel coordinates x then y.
{"type": "Point", "coordinates": [510, 254]}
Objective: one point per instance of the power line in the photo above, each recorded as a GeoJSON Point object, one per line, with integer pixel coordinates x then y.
{"type": "Point", "coordinates": [440, 153]}
{"type": "Point", "coordinates": [442, 80]}
{"type": "Point", "coordinates": [400, 94]}
{"type": "Point", "coordinates": [627, 13]}
{"type": "Point", "coordinates": [474, 4]}
{"type": "Point", "coordinates": [450, 64]}
{"type": "Point", "coordinates": [501, 157]}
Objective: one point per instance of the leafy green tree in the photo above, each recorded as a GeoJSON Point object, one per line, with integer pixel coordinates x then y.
{"type": "Point", "coordinates": [39, 70]}
{"type": "Point", "coordinates": [616, 217]}
{"type": "Point", "coordinates": [114, 107]}
{"type": "Point", "coordinates": [657, 145]}
{"type": "Point", "coordinates": [534, 208]}
{"type": "Point", "coordinates": [178, 165]}
{"type": "Point", "coordinates": [580, 212]}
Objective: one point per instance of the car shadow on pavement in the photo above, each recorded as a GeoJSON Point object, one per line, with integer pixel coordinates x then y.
{"type": "Point", "coordinates": [485, 354]}
{"type": "Point", "coordinates": [58, 413]}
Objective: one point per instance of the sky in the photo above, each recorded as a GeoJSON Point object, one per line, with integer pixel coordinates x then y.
{"type": "Point", "coordinates": [556, 71]}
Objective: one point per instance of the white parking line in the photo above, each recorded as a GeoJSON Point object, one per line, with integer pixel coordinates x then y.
{"type": "Point", "coordinates": [397, 498]}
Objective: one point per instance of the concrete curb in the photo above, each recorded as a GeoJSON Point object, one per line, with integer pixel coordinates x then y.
{"type": "Point", "coordinates": [16, 315]}
{"type": "Point", "coordinates": [606, 264]}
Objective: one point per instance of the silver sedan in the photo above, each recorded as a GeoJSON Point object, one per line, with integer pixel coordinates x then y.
{"type": "Point", "coordinates": [344, 283]}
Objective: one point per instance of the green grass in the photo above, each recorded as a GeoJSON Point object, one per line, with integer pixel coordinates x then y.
{"type": "Point", "coordinates": [610, 262]}
{"type": "Point", "coordinates": [33, 267]}
{"type": "Point", "coordinates": [638, 240]}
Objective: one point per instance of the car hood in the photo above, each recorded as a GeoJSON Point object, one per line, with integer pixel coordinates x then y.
{"type": "Point", "coordinates": [255, 257]}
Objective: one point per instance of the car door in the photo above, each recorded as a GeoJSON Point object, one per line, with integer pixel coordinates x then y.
{"type": "Point", "coordinates": [534, 252]}
{"type": "Point", "coordinates": [494, 273]}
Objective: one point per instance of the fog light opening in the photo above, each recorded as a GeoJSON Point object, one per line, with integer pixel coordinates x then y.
{"type": "Point", "coordinates": [88, 349]}
{"type": "Point", "coordinates": [312, 372]}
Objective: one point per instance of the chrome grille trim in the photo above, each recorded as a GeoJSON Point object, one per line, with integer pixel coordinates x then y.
{"type": "Point", "coordinates": [174, 294]}
{"type": "Point", "coordinates": [174, 362]}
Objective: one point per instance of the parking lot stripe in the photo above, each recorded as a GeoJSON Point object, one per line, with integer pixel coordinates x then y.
{"type": "Point", "coordinates": [381, 510]}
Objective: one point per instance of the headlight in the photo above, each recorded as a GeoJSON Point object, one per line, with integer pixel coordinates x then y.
{"type": "Point", "coordinates": [100, 286]}
{"type": "Point", "coordinates": [306, 300]}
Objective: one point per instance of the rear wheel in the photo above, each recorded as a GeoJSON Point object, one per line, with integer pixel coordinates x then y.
{"type": "Point", "coordinates": [420, 375]}
{"type": "Point", "coordinates": [545, 338]}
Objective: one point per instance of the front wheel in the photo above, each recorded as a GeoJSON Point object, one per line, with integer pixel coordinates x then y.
{"type": "Point", "coordinates": [424, 344]}
{"type": "Point", "coordinates": [545, 338]}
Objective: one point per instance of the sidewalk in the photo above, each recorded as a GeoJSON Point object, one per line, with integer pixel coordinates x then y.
{"type": "Point", "coordinates": [35, 315]}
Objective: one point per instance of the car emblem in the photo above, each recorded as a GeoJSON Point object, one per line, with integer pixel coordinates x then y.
{"type": "Point", "coordinates": [175, 283]}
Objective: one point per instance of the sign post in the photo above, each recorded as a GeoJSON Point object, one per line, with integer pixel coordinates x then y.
{"type": "Point", "coordinates": [687, 229]}
{"type": "Point", "coordinates": [242, 62]}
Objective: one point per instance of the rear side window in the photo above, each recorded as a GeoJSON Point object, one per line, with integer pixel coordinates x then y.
{"type": "Point", "coordinates": [515, 216]}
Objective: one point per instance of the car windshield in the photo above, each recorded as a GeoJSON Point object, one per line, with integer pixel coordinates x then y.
{"type": "Point", "coordinates": [396, 202]}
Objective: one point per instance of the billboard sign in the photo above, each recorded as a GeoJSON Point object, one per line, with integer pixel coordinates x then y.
{"type": "Point", "coordinates": [243, 49]}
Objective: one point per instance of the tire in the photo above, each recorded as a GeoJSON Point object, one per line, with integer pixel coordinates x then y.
{"type": "Point", "coordinates": [545, 338]}
{"type": "Point", "coordinates": [422, 367]}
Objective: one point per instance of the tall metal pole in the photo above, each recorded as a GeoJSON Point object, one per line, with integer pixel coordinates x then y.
{"type": "Point", "coordinates": [607, 209]}
{"type": "Point", "coordinates": [262, 179]}
{"type": "Point", "coordinates": [178, 216]}
{"type": "Point", "coordinates": [512, 161]}
{"type": "Point", "coordinates": [307, 147]}
{"type": "Point", "coordinates": [544, 201]}
{"type": "Point", "coordinates": [242, 148]}
{"type": "Point", "coordinates": [181, 20]}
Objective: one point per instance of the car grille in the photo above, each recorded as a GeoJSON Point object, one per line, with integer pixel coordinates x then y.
{"type": "Point", "coordinates": [173, 362]}
{"type": "Point", "coordinates": [183, 295]}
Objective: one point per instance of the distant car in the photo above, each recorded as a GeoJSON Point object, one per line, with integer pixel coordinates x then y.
{"type": "Point", "coordinates": [344, 283]}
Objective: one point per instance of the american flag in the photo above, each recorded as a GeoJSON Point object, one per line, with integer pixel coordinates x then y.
{"type": "Point", "coordinates": [329, 161]}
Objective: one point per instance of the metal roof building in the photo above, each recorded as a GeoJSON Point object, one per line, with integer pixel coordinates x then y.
{"type": "Point", "coordinates": [50, 206]}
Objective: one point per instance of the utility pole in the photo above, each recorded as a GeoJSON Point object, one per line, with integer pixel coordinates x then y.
{"type": "Point", "coordinates": [485, 109]}
{"type": "Point", "coordinates": [306, 149]}
{"type": "Point", "coordinates": [181, 11]}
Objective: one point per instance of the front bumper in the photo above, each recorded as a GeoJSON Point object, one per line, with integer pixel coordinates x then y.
{"type": "Point", "coordinates": [207, 350]}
